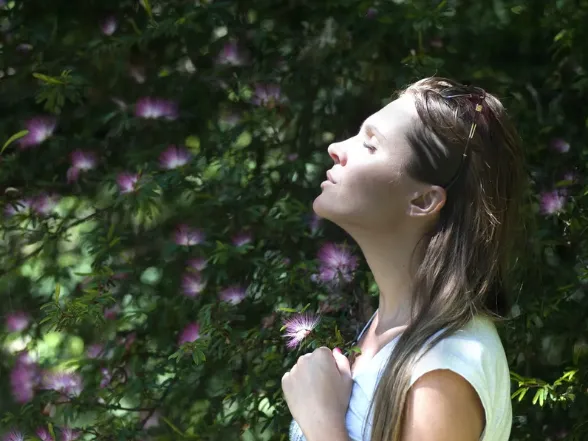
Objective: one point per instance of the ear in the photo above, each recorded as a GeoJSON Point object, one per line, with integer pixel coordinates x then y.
{"type": "Point", "coordinates": [428, 202]}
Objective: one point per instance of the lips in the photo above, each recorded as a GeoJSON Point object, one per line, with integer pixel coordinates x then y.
{"type": "Point", "coordinates": [330, 177]}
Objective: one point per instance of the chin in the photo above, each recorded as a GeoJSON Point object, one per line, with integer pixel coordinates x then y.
{"type": "Point", "coordinates": [326, 210]}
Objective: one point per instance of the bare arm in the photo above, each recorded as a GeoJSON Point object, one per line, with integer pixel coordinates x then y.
{"type": "Point", "coordinates": [442, 406]}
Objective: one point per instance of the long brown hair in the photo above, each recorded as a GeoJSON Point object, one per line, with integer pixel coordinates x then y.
{"type": "Point", "coordinates": [466, 255]}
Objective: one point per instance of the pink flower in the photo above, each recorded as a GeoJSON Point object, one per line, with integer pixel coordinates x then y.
{"type": "Point", "coordinates": [233, 294]}
{"type": "Point", "coordinates": [20, 206]}
{"type": "Point", "coordinates": [197, 264]}
{"type": "Point", "coordinates": [14, 435]}
{"type": "Point", "coordinates": [572, 176]}
{"type": "Point", "coordinates": [174, 157]}
{"type": "Point", "coordinates": [17, 321]}
{"type": "Point", "coordinates": [40, 129]}
{"type": "Point", "coordinates": [298, 327]}
{"type": "Point", "coordinates": [127, 182]}
{"type": "Point", "coordinates": [156, 108]}
{"type": "Point", "coordinates": [44, 434]}
{"type": "Point", "coordinates": [44, 204]}
{"type": "Point", "coordinates": [112, 312]}
{"type": "Point", "coordinates": [242, 238]}
{"type": "Point", "coordinates": [81, 161]}
{"type": "Point", "coordinates": [267, 95]}
{"type": "Point", "coordinates": [192, 285]}
{"type": "Point", "coordinates": [24, 377]}
{"type": "Point", "coordinates": [68, 434]}
{"type": "Point", "coordinates": [560, 145]}
{"type": "Point", "coordinates": [337, 264]}
{"type": "Point", "coordinates": [189, 334]}
{"type": "Point", "coordinates": [106, 377]}
{"type": "Point", "coordinates": [109, 26]}
{"type": "Point", "coordinates": [67, 383]}
{"type": "Point", "coordinates": [230, 55]}
{"type": "Point", "coordinates": [552, 202]}
{"type": "Point", "coordinates": [187, 236]}
{"type": "Point", "coordinates": [95, 350]}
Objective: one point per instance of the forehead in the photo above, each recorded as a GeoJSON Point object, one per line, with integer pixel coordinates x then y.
{"type": "Point", "coordinates": [394, 119]}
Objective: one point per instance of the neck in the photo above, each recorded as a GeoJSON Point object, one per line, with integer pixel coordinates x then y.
{"type": "Point", "coordinates": [392, 262]}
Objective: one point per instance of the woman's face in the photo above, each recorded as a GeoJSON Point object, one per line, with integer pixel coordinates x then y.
{"type": "Point", "coordinates": [368, 186]}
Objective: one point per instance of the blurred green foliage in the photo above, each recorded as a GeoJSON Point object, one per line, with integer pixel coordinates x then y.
{"type": "Point", "coordinates": [96, 276]}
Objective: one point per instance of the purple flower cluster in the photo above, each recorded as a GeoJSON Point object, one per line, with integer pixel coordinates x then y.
{"type": "Point", "coordinates": [156, 108]}
{"type": "Point", "coordinates": [337, 265]}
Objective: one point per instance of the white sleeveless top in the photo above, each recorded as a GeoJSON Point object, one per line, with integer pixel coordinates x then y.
{"type": "Point", "coordinates": [474, 352]}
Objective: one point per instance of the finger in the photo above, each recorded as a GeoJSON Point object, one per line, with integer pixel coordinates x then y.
{"type": "Point", "coordinates": [342, 363]}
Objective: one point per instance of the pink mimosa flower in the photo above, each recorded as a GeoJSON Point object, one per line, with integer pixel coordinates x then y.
{"type": "Point", "coordinates": [174, 157]}
{"type": "Point", "coordinates": [231, 55]}
{"type": "Point", "coordinates": [24, 378]}
{"type": "Point", "coordinates": [40, 129]}
{"type": "Point", "coordinates": [267, 95]}
{"type": "Point", "coordinates": [106, 377]}
{"type": "Point", "coordinates": [156, 108]}
{"type": "Point", "coordinates": [127, 182]}
{"type": "Point", "coordinates": [233, 294]}
{"type": "Point", "coordinates": [44, 434]}
{"type": "Point", "coordinates": [109, 26]}
{"type": "Point", "coordinates": [242, 238]}
{"type": "Point", "coordinates": [20, 206]}
{"type": "Point", "coordinates": [193, 284]}
{"type": "Point", "coordinates": [95, 350]}
{"type": "Point", "coordinates": [186, 236]}
{"type": "Point", "coordinates": [197, 264]}
{"type": "Point", "coordinates": [17, 321]}
{"type": "Point", "coordinates": [81, 161]}
{"type": "Point", "coordinates": [298, 327]}
{"type": "Point", "coordinates": [14, 435]}
{"type": "Point", "coordinates": [68, 434]}
{"type": "Point", "coordinates": [337, 264]}
{"type": "Point", "coordinates": [112, 312]}
{"type": "Point", "coordinates": [552, 202]}
{"type": "Point", "coordinates": [189, 334]}
{"type": "Point", "coordinates": [560, 145]}
{"type": "Point", "coordinates": [45, 204]}
{"type": "Point", "coordinates": [67, 383]}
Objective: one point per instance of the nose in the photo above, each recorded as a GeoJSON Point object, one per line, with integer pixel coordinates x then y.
{"type": "Point", "coordinates": [337, 153]}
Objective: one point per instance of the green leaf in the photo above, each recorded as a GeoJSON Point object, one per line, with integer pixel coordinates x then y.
{"type": "Point", "coordinates": [13, 138]}
{"type": "Point", "coordinates": [47, 79]}
{"type": "Point", "coordinates": [147, 6]}
{"type": "Point", "coordinates": [57, 292]}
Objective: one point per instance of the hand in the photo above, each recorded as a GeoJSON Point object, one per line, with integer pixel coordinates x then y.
{"type": "Point", "coordinates": [317, 391]}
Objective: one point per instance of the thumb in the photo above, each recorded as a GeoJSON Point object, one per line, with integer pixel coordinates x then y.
{"type": "Point", "coordinates": [342, 362]}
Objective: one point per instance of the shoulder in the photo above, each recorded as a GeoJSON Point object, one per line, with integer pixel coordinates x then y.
{"type": "Point", "coordinates": [473, 352]}
{"type": "Point", "coordinates": [453, 381]}
{"type": "Point", "coordinates": [435, 402]}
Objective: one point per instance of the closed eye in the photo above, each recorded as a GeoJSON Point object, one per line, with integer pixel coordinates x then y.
{"type": "Point", "coordinates": [371, 148]}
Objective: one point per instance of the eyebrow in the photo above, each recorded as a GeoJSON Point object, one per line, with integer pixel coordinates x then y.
{"type": "Point", "coordinates": [372, 128]}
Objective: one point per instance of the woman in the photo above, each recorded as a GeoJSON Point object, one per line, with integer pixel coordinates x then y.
{"type": "Point", "coordinates": [428, 189]}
